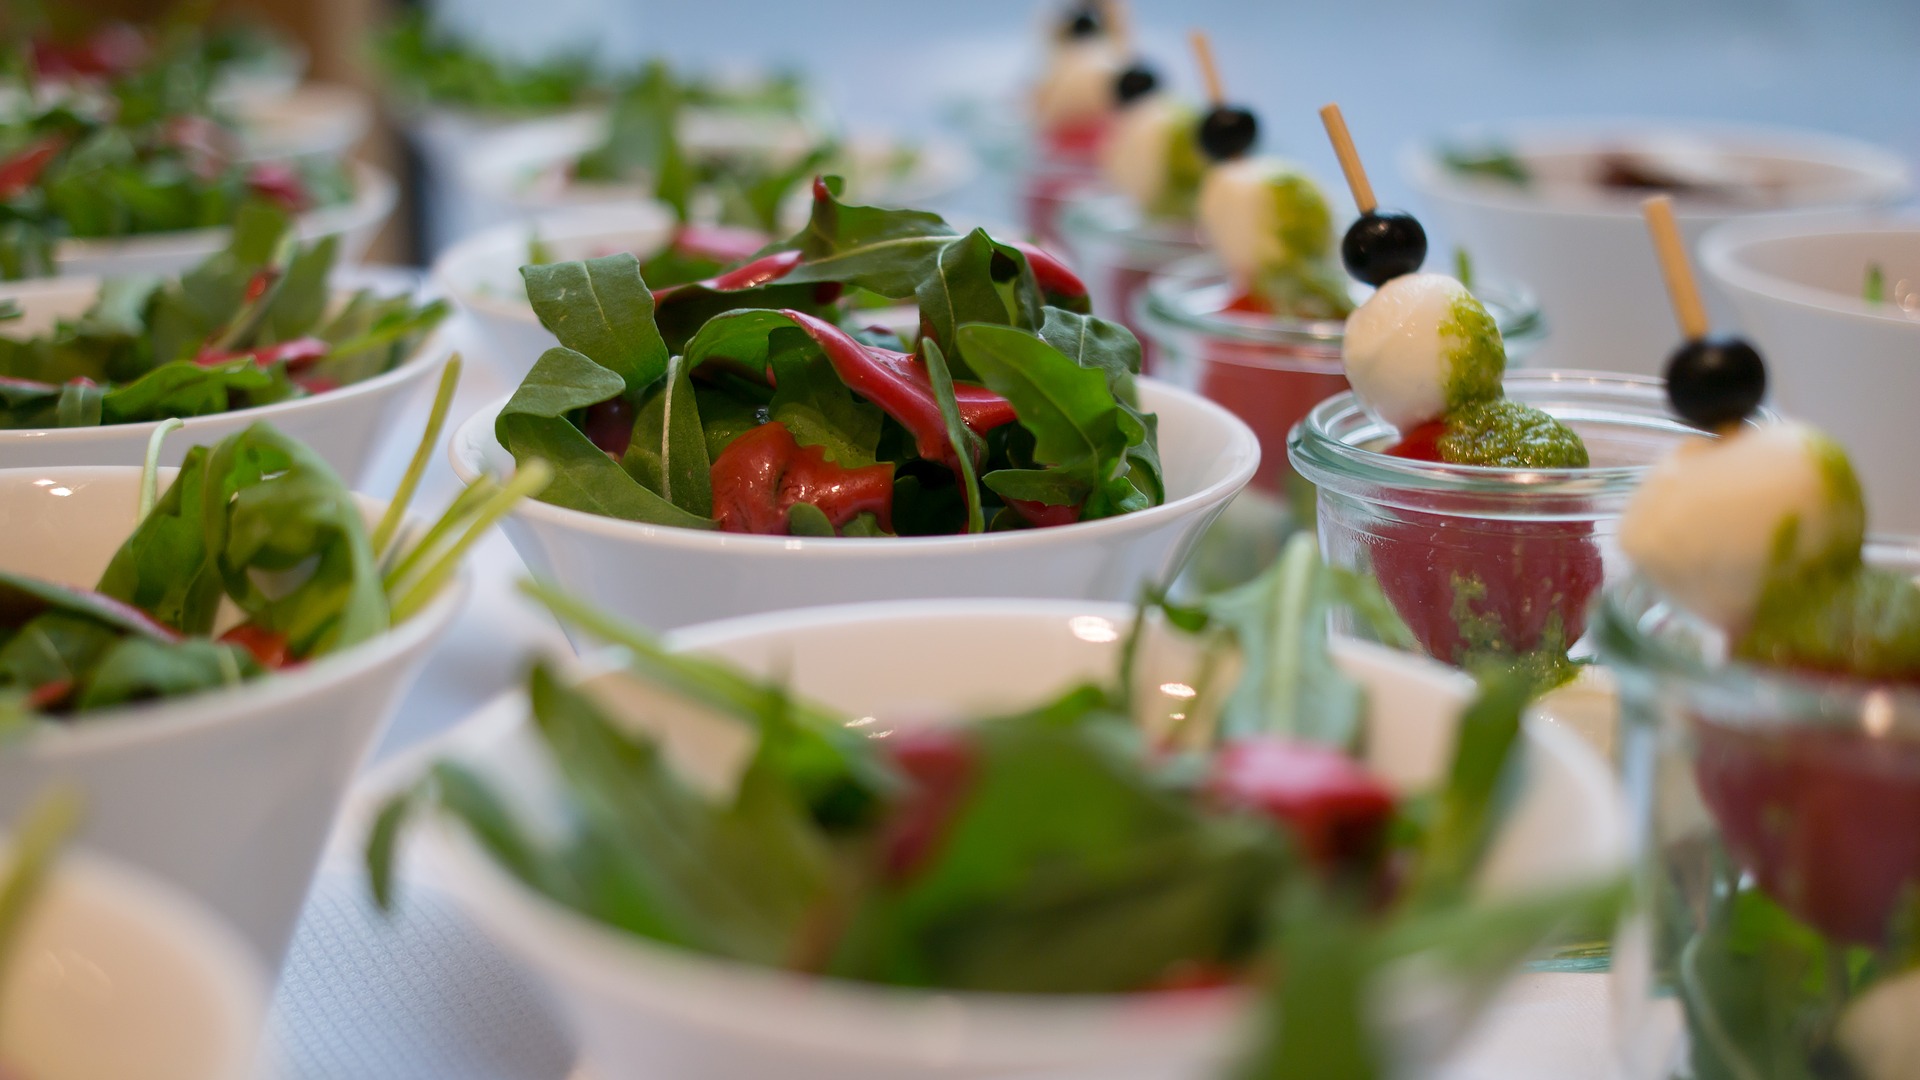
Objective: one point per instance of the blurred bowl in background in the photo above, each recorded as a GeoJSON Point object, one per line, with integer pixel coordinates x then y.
{"type": "Point", "coordinates": [665, 577]}
{"type": "Point", "coordinates": [1582, 247]}
{"type": "Point", "coordinates": [482, 272]}
{"type": "Point", "coordinates": [228, 794]}
{"type": "Point", "coordinates": [1848, 365]}
{"type": "Point", "coordinates": [357, 221]}
{"type": "Point", "coordinates": [316, 120]}
{"type": "Point", "coordinates": [120, 975]}
{"type": "Point", "coordinates": [344, 425]}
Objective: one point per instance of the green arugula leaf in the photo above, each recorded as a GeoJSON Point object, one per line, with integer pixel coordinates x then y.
{"type": "Point", "coordinates": [603, 309]}
{"type": "Point", "coordinates": [966, 443]}
{"type": "Point", "coordinates": [139, 669]}
{"type": "Point", "coordinates": [668, 453]}
{"type": "Point", "coordinates": [1481, 782]}
{"type": "Point", "coordinates": [584, 477]}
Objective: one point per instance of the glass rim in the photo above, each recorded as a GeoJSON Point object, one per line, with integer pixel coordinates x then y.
{"type": "Point", "coordinates": [1515, 310]}
{"type": "Point", "coordinates": [1766, 698]}
{"type": "Point", "coordinates": [1111, 217]}
{"type": "Point", "coordinates": [1319, 452]}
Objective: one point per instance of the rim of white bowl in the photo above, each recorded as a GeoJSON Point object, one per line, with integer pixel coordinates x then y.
{"type": "Point", "coordinates": [327, 118]}
{"type": "Point", "coordinates": [864, 547]}
{"type": "Point", "coordinates": [375, 194]}
{"type": "Point", "coordinates": [609, 221]}
{"type": "Point", "coordinates": [1880, 176]}
{"type": "Point", "coordinates": [254, 700]}
{"type": "Point", "coordinates": [1724, 246]}
{"type": "Point", "coordinates": [163, 911]}
{"type": "Point", "coordinates": [425, 359]}
{"type": "Point", "coordinates": [602, 955]}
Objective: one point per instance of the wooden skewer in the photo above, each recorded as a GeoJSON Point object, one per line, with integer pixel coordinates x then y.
{"type": "Point", "coordinates": [1349, 158]}
{"type": "Point", "coordinates": [1119, 26]}
{"type": "Point", "coordinates": [1682, 289]}
{"type": "Point", "coordinates": [1209, 72]}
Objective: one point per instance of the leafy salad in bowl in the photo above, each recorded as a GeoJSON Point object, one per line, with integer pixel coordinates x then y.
{"type": "Point", "coordinates": [143, 153]}
{"type": "Point", "coordinates": [759, 401]}
{"type": "Point", "coordinates": [694, 848]}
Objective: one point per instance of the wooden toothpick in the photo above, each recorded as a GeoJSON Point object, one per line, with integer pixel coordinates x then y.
{"type": "Point", "coordinates": [1682, 289]}
{"type": "Point", "coordinates": [1209, 72]}
{"type": "Point", "coordinates": [1349, 158]}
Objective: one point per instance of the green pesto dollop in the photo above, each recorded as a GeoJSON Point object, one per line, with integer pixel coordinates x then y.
{"type": "Point", "coordinates": [1307, 281]}
{"type": "Point", "coordinates": [1301, 215]}
{"type": "Point", "coordinates": [1846, 618]}
{"type": "Point", "coordinates": [1476, 357]}
{"type": "Point", "coordinates": [1508, 435]}
{"type": "Point", "coordinates": [1186, 167]}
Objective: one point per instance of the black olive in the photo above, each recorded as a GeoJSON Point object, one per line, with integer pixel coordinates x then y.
{"type": "Point", "coordinates": [1081, 22]}
{"type": "Point", "coordinates": [1136, 82]}
{"type": "Point", "coordinates": [1228, 131]}
{"type": "Point", "coordinates": [1383, 245]}
{"type": "Point", "coordinates": [1713, 382]}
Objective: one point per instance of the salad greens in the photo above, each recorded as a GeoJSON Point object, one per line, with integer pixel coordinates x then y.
{"type": "Point", "coordinates": [254, 559]}
{"type": "Point", "coordinates": [35, 847]}
{"type": "Point", "coordinates": [427, 62]}
{"type": "Point", "coordinates": [147, 152]}
{"type": "Point", "coordinates": [1094, 842]}
{"type": "Point", "coordinates": [250, 326]}
{"type": "Point", "coordinates": [1875, 290]}
{"type": "Point", "coordinates": [758, 401]}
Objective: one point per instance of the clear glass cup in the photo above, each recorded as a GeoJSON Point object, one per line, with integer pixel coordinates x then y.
{"type": "Point", "coordinates": [1271, 370]}
{"type": "Point", "coordinates": [1049, 181]}
{"type": "Point", "coordinates": [1778, 885]}
{"type": "Point", "coordinates": [1116, 251]}
{"type": "Point", "coordinates": [1489, 563]}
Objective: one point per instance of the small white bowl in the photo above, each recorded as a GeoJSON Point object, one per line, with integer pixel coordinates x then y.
{"type": "Point", "coordinates": [345, 426]}
{"type": "Point", "coordinates": [228, 794]}
{"type": "Point", "coordinates": [1851, 367]}
{"type": "Point", "coordinates": [357, 221]}
{"type": "Point", "coordinates": [315, 120]}
{"type": "Point", "coordinates": [641, 1009]}
{"type": "Point", "coordinates": [665, 577]}
{"type": "Point", "coordinates": [1585, 253]}
{"type": "Point", "coordinates": [120, 975]}
{"type": "Point", "coordinates": [482, 272]}
{"type": "Point", "coordinates": [525, 169]}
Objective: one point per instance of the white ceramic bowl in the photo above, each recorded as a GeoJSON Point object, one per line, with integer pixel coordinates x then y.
{"type": "Point", "coordinates": [1848, 366]}
{"type": "Point", "coordinates": [664, 577]}
{"type": "Point", "coordinates": [643, 1010]}
{"type": "Point", "coordinates": [357, 221]}
{"type": "Point", "coordinates": [1585, 252]}
{"type": "Point", "coordinates": [345, 426]}
{"type": "Point", "coordinates": [229, 794]}
{"type": "Point", "coordinates": [318, 120]}
{"type": "Point", "coordinates": [120, 975]}
{"type": "Point", "coordinates": [523, 169]}
{"type": "Point", "coordinates": [482, 272]}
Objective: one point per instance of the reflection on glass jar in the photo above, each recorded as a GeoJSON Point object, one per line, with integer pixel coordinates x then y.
{"type": "Point", "coordinates": [1116, 251]}
{"type": "Point", "coordinates": [1048, 183]}
{"type": "Point", "coordinates": [1271, 370]}
{"type": "Point", "coordinates": [1488, 563]}
{"type": "Point", "coordinates": [1776, 931]}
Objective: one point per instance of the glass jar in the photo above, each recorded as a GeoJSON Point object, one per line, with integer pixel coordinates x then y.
{"type": "Point", "coordinates": [1116, 251]}
{"type": "Point", "coordinates": [1049, 181]}
{"type": "Point", "coordinates": [1271, 370]}
{"type": "Point", "coordinates": [1480, 562]}
{"type": "Point", "coordinates": [1776, 928]}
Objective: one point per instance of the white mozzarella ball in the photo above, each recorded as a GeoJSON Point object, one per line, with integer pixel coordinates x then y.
{"type": "Point", "coordinates": [1078, 86]}
{"type": "Point", "coordinates": [1880, 1031]}
{"type": "Point", "coordinates": [1136, 157]}
{"type": "Point", "coordinates": [1237, 211]}
{"type": "Point", "coordinates": [1705, 525]}
{"type": "Point", "coordinates": [1419, 345]}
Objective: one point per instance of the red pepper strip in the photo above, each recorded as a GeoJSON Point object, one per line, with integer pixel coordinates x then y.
{"type": "Point", "coordinates": [1420, 444]}
{"type": "Point", "coordinates": [899, 384]}
{"type": "Point", "coordinates": [718, 242]}
{"type": "Point", "coordinates": [1053, 276]}
{"type": "Point", "coordinates": [14, 382]}
{"type": "Point", "coordinates": [940, 763]}
{"type": "Point", "coordinates": [296, 354]}
{"type": "Point", "coordinates": [609, 426]}
{"type": "Point", "coordinates": [760, 475]}
{"type": "Point", "coordinates": [259, 283]}
{"type": "Point", "coordinates": [279, 182]}
{"type": "Point", "coordinates": [1044, 515]}
{"type": "Point", "coordinates": [758, 272]}
{"type": "Point", "coordinates": [111, 50]}
{"type": "Point", "coordinates": [48, 694]}
{"type": "Point", "coordinates": [269, 647]}
{"type": "Point", "coordinates": [1334, 808]}
{"type": "Point", "coordinates": [18, 172]}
